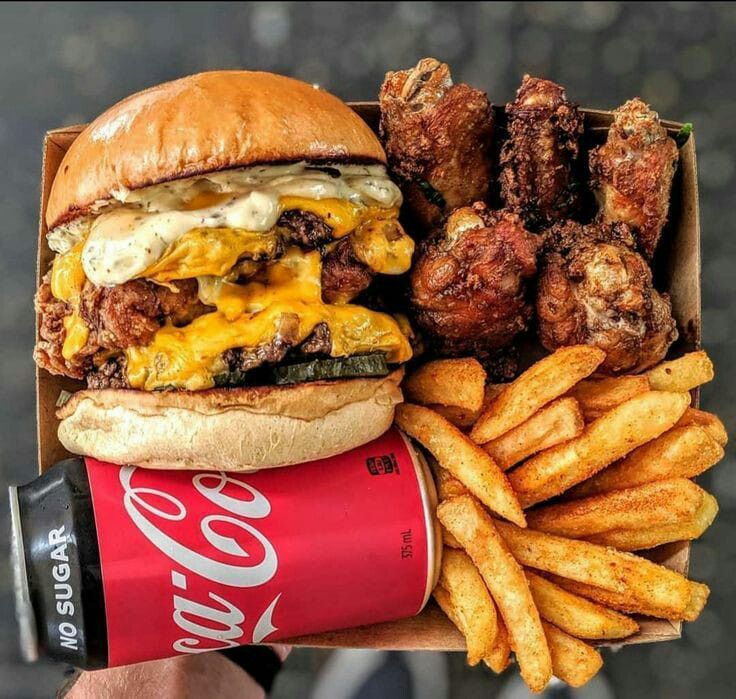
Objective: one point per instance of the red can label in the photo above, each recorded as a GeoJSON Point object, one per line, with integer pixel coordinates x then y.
{"type": "Point", "coordinates": [194, 561]}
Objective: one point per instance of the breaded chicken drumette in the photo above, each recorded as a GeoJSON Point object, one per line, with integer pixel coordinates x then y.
{"type": "Point", "coordinates": [437, 138]}
{"type": "Point", "coordinates": [595, 289]}
{"type": "Point", "coordinates": [470, 290]}
{"type": "Point", "coordinates": [540, 158]}
{"type": "Point", "coordinates": [632, 173]}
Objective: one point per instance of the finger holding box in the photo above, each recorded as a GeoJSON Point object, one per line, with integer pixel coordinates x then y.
{"type": "Point", "coordinates": [683, 374]}
{"type": "Point", "coordinates": [711, 423]}
{"type": "Point", "coordinates": [471, 602]}
{"type": "Point", "coordinates": [650, 505]}
{"type": "Point", "coordinates": [607, 439]}
{"type": "Point", "coordinates": [465, 518]}
{"type": "Point", "coordinates": [633, 578]}
{"type": "Point", "coordinates": [557, 422]}
{"type": "Point", "coordinates": [697, 596]}
{"type": "Point", "coordinates": [451, 382]}
{"type": "Point", "coordinates": [546, 380]}
{"type": "Point", "coordinates": [598, 396]}
{"type": "Point", "coordinates": [464, 459]}
{"type": "Point", "coordinates": [573, 661]}
{"type": "Point", "coordinates": [577, 615]}
{"type": "Point", "coordinates": [641, 539]}
{"type": "Point", "coordinates": [682, 452]}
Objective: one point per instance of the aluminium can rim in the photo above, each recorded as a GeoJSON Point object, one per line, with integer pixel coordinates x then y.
{"type": "Point", "coordinates": [24, 613]}
{"type": "Point", "coordinates": [428, 494]}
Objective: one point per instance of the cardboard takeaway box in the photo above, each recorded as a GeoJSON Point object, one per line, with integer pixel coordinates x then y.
{"type": "Point", "coordinates": [677, 271]}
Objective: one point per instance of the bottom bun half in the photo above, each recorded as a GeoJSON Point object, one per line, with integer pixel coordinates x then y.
{"type": "Point", "coordinates": [230, 429]}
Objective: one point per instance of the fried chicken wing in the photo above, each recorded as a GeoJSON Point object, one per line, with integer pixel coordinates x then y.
{"type": "Point", "coordinates": [438, 139]}
{"type": "Point", "coordinates": [632, 173]}
{"type": "Point", "coordinates": [469, 284]}
{"type": "Point", "coordinates": [540, 159]}
{"type": "Point", "coordinates": [595, 289]}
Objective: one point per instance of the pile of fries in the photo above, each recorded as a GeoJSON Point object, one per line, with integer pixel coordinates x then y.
{"type": "Point", "coordinates": [614, 455]}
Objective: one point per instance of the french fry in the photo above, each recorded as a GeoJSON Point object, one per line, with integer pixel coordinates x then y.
{"type": "Point", "coordinates": [577, 615]}
{"type": "Point", "coordinates": [447, 485]}
{"type": "Point", "coordinates": [546, 380]}
{"type": "Point", "coordinates": [708, 421]}
{"type": "Point", "coordinates": [598, 396]}
{"type": "Point", "coordinates": [463, 418]}
{"type": "Point", "coordinates": [573, 660]}
{"type": "Point", "coordinates": [464, 517]}
{"type": "Point", "coordinates": [464, 459]}
{"type": "Point", "coordinates": [499, 657]}
{"type": "Point", "coordinates": [555, 423]}
{"type": "Point", "coordinates": [640, 539]}
{"type": "Point", "coordinates": [607, 439]}
{"type": "Point", "coordinates": [632, 578]}
{"type": "Point", "coordinates": [682, 452]}
{"type": "Point", "coordinates": [683, 374]}
{"type": "Point", "coordinates": [449, 540]}
{"type": "Point", "coordinates": [460, 417]}
{"type": "Point", "coordinates": [697, 596]}
{"type": "Point", "coordinates": [655, 504]}
{"type": "Point", "coordinates": [453, 382]}
{"type": "Point", "coordinates": [471, 602]}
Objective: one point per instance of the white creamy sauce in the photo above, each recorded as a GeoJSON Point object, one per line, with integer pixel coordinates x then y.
{"type": "Point", "coordinates": [140, 225]}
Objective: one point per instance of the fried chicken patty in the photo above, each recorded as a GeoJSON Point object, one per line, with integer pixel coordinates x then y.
{"type": "Point", "coordinates": [595, 289]}
{"type": "Point", "coordinates": [118, 317]}
{"type": "Point", "coordinates": [469, 285]}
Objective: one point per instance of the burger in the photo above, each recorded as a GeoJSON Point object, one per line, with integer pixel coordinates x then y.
{"type": "Point", "coordinates": [215, 238]}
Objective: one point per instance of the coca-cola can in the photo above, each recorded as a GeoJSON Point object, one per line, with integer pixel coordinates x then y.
{"type": "Point", "coordinates": [116, 565]}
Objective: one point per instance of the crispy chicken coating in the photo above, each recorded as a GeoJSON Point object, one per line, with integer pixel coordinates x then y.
{"type": "Point", "coordinates": [438, 139]}
{"type": "Point", "coordinates": [130, 314]}
{"type": "Point", "coordinates": [469, 285]}
{"type": "Point", "coordinates": [127, 315]}
{"type": "Point", "coordinates": [595, 289]}
{"type": "Point", "coordinates": [632, 173]}
{"type": "Point", "coordinates": [540, 158]}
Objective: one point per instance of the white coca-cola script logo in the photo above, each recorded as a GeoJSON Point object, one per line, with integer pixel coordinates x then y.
{"type": "Point", "coordinates": [189, 615]}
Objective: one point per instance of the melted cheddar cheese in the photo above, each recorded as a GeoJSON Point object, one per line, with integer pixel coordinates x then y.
{"type": "Point", "coordinates": [212, 252]}
{"type": "Point", "coordinates": [383, 246]}
{"type": "Point", "coordinates": [250, 315]}
{"type": "Point", "coordinates": [67, 281]}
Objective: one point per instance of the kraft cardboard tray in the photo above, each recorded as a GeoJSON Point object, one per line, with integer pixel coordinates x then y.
{"type": "Point", "coordinates": [677, 271]}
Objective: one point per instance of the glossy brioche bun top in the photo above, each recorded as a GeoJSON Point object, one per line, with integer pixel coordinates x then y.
{"type": "Point", "coordinates": [204, 123]}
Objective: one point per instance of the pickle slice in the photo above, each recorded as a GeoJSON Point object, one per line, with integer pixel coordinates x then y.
{"type": "Point", "coordinates": [360, 365]}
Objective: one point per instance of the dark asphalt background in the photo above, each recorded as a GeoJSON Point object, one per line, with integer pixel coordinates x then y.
{"type": "Point", "coordinates": [64, 63]}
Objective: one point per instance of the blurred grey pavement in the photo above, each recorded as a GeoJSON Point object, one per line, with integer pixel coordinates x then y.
{"type": "Point", "coordinates": [63, 63]}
